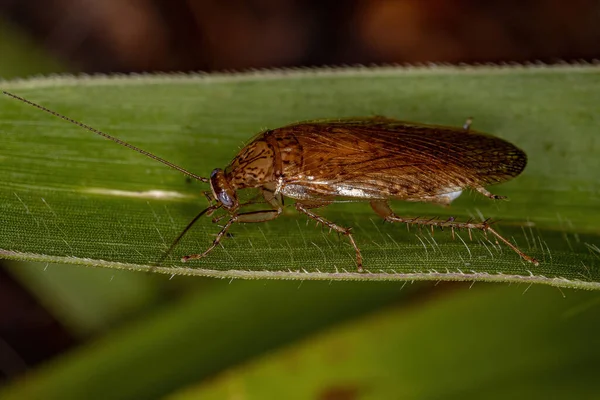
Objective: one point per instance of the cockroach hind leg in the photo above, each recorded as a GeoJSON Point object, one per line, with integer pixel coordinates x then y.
{"type": "Point", "coordinates": [359, 260]}
{"type": "Point", "coordinates": [486, 193]}
{"type": "Point", "coordinates": [383, 209]}
{"type": "Point", "coordinates": [509, 244]}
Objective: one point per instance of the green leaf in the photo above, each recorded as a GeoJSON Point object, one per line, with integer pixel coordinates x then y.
{"type": "Point", "coordinates": [196, 337]}
{"type": "Point", "coordinates": [479, 344]}
{"type": "Point", "coordinates": [69, 196]}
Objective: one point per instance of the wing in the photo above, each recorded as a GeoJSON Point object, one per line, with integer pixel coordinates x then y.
{"type": "Point", "coordinates": [382, 158]}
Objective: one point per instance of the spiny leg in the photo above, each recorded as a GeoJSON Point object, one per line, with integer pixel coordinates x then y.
{"type": "Point", "coordinates": [249, 217]}
{"type": "Point", "coordinates": [303, 208]}
{"type": "Point", "coordinates": [383, 209]}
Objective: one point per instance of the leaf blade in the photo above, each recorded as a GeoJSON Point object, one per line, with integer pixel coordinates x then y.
{"type": "Point", "coordinates": [69, 194]}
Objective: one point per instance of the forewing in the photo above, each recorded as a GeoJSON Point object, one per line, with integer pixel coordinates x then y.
{"type": "Point", "coordinates": [381, 158]}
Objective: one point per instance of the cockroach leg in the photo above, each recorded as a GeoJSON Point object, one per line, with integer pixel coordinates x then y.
{"type": "Point", "coordinates": [273, 198]}
{"type": "Point", "coordinates": [208, 211]}
{"type": "Point", "coordinates": [219, 218]}
{"type": "Point", "coordinates": [486, 193]}
{"type": "Point", "coordinates": [303, 208]}
{"type": "Point", "coordinates": [382, 208]}
{"type": "Point", "coordinates": [214, 244]}
{"type": "Point", "coordinates": [208, 196]}
{"type": "Point", "coordinates": [249, 217]}
{"type": "Point", "coordinates": [258, 216]}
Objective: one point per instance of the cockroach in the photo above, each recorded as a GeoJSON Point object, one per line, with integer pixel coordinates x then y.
{"type": "Point", "coordinates": [373, 159]}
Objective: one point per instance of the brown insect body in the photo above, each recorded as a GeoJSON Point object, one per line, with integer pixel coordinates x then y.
{"type": "Point", "coordinates": [371, 159]}
{"type": "Point", "coordinates": [377, 158]}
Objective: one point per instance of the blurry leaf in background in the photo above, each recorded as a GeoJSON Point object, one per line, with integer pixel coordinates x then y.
{"type": "Point", "coordinates": [486, 343]}
{"type": "Point", "coordinates": [88, 301]}
{"type": "Point", "coordinates": [21, 57]}
{"type": "Point", "coordinates": [192, 339]}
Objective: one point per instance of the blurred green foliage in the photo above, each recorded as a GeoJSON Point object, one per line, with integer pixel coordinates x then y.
{"type": "Point", "coordinates": [20, 56]}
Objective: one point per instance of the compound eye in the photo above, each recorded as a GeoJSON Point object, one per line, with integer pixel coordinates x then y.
{"type": "Point", "coordinates": [225, 199]}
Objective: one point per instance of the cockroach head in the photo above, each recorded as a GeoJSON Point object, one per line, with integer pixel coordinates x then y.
{"type": "Point", "coordinates": [222, 191]}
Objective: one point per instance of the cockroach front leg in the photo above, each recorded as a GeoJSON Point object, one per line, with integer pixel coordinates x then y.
{"type": "Point", "coordinates": [382, 208]}
{"type": "Point", "coordinates": [253, 216]}
{"type": "Point", "coordinates": [345, 231]}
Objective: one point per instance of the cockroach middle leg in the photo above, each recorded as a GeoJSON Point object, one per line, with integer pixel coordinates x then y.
{"type": "Point", "coordinates": [345, 231]}
{"type": "Point", "coordinates": [486, 193]}
{"type": "Point", "coordinates": [382, 208]}
{"type": "Point", "coordinates": [249, 217]}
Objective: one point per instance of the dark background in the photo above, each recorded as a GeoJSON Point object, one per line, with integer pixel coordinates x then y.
{"type": "Point", "coordinates": [178, 35]}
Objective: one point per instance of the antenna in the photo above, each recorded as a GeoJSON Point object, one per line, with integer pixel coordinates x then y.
{"type": "Point", "coordinates": [107, 136]}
